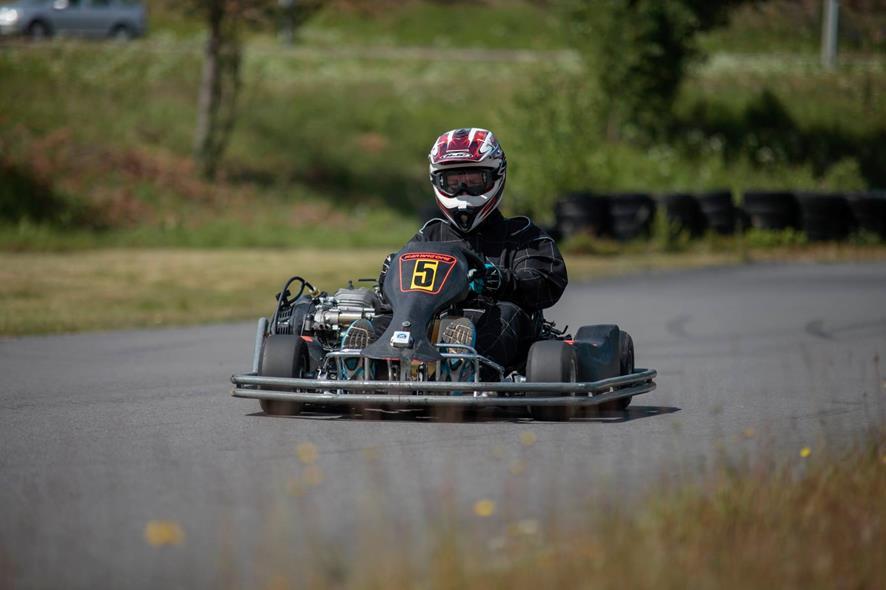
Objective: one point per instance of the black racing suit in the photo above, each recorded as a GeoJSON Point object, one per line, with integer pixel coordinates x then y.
{"type": "Point", "coordinates": [533, 278]}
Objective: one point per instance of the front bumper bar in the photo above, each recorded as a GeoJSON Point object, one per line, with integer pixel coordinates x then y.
{"type": "Point", "coordinates": [416, 394]}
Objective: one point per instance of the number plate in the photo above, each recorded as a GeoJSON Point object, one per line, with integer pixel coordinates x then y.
{"type": "Point", "coordinates": [401, 340]}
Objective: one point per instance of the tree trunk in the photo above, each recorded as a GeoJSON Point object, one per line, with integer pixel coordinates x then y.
{"type": "Point", "coordinates": [219, 89]}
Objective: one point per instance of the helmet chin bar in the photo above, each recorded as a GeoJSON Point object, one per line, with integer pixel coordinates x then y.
{"type": "Point", "coordinates": [464, 220]}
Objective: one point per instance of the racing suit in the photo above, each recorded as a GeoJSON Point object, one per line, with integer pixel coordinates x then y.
{"type": "Point", "coordinates": [533, 277]}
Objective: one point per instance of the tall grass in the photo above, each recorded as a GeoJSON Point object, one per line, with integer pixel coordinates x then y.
{"type": "Point", "coordinates": [815, 519]}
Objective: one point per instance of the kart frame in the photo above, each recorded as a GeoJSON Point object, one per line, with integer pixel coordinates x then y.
{"type": "Point", "coordinates": [407, 393]}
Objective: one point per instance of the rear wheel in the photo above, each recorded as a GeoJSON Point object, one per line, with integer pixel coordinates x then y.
{"type": "Point", "coordinates": [284, 355]}
{"type": "Point", "coordinates": [626, 367]}
{"type": "Point", "coordinates": [38, 30]}
{"type": "Point", "coordinates": [551, 361]}
{"type": "Point", "coordinates": [122, 33]}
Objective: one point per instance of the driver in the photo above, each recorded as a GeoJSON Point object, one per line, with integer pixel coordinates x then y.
{"type": "Point", "coordinates": [525, 272]}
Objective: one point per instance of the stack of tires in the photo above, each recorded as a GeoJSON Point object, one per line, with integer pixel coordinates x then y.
{"type": "Point", "coordinates": [773, 210]}
{"type": "Point", "coordinates": [684, 214]}
{"type": "Point", "coordinates": [632, 215]}
{"type": "Point", "coordinates": [582, 212]}
{"type": "Point", "coordinates": [825, 216]}
{"type": "Point", "coordinates": [869, 212]}
{"type": "Point", "coordinates": [628, 216]}
{"type": "Point", "coordinates": [719, 211]}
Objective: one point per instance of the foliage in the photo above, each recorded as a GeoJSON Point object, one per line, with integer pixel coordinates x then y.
{"type": "Point", "coordinates": [323, 133]}
{"type": "Point", "coordinates": [639, 52]}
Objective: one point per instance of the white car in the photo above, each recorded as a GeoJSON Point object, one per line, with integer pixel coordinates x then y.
{"type": "Point", "coordinates": [121, 19]}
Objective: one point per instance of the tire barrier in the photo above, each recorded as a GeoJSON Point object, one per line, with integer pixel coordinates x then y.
{"type": "Point", "coordinates": [632, 215]}
{"type": "Point", "coordinates": [825, 216]}
{"type": "Point", "coordinates": [719, 211]}
{"type": "Point", "coordinates": [684, 214]}
{"type": "Point", "coordinates": [822, 216]}
{"type": "Point", "coordinates": [583, 212]}
{"type": "Point", "coordinates": [772, 209]}
{"type": "Point", "coordinates": [869, 212]}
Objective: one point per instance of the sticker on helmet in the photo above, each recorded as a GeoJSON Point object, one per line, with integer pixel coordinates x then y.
{"type": "Point", "coordinates": [425, 272]}
{"type": "Point", "coordinates": [453, 155]}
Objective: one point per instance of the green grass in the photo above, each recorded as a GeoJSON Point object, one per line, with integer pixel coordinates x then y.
{"type": "Point", "coordinates": [327, 135]}
{"type": "Point", "coordinates": [77, 286]}
{"type": "Point", "coordinates": [515, 24]}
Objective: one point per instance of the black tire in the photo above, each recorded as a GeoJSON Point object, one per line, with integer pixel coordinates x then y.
{"type": "Point", "coordinates": [38, 30]}
{"type": "Point", "coordinates": [551, 361]}
{"type": "Point", "coordinates": [625, 367]}
{"type": "Point", "coordinates": [632, 215]}
{"type": "Point", "coordinates": [772, 209]}
{"type": "Point", "coordinates": [583, 212]}
{"type": "Point", "coordinates": [122, 33]}
{"type": "Point", "coordinates": [684, 214]}
{"type": "Point", "coordinates": [284, 355]}
{"type": "Point", "coordinates": [719, 211]}
{"type": "Point", "coordinates": [869, 212]}
{"type": "Point", "coordinates": [825, 216]}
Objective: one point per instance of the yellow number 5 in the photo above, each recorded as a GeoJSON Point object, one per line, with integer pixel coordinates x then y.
{"type": "Point", "coordinates": [424, 275]}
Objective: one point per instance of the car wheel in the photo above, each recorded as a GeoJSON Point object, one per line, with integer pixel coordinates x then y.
{"type": "Point", "coordinates": [38, 30]}
{"type": "Point", "coordinates": [284, 355]}
{"type": "Point", "coordinates": [626, 367]}
{"type": "Point", "coordinates": [122, 33]}
{"type": "Point", "coordinates": [551, 361]}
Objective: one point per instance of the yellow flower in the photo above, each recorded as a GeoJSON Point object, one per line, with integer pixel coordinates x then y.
{"type": "Point", "coordinates": [306, 452]}
{"type": "Point", "coordinates": [164, 532]}
{"type": "Point", "coordinates": [749, 432]}
{"type": "Point", "coordinates": [805, 452]}
{"type": "Point", "coordinates": [484, 508]}
{"type": "Point", "coordinates": [527, 439]}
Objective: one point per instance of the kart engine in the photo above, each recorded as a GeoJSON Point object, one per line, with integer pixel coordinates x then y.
{"type": "Point", "coordinates": [325, 317]}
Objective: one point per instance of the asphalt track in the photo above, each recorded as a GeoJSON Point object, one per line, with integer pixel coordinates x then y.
{"type": "Point", "coordinates": [102, 433]}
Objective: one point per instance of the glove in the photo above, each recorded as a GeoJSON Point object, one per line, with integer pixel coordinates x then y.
{"type": "Point", "coordinates": [497, 278]}
{"type": "Point", "coordinates": [491, 280]}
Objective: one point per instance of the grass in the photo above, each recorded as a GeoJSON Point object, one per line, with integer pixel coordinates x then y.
{"type": "Point", "coordinates": [813, 519]}
{"type": "Point", "coordinates": [117, 288]}
{"type": "Point", "coordinates": [303, 140]}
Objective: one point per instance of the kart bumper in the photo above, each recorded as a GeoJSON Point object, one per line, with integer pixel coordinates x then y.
{"type": "Point", "coordinates": [431, 393]}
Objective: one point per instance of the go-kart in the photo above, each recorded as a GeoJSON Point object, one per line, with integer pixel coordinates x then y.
{"type": "Point", "coordinates": [299, 359]}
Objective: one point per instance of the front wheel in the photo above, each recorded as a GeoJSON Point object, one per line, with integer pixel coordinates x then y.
{"type": "Point", "coordinates": [626, 367]}
{"type": "Point", "coordinates": [284, 355]}
{"type": "Point", "coordinates": [551, 361]}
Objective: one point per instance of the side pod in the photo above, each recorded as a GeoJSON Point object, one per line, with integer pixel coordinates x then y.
{"type": "Point", "coordinates": [597, 350]}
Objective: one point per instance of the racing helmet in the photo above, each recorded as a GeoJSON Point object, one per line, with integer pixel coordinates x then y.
{"type": "Point", "coordinates": [467, 170]}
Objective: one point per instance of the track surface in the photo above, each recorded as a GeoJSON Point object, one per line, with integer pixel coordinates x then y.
{"type": "Point", "coordinates": [102, 433]}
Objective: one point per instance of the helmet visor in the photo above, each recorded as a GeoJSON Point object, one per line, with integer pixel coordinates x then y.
{"type": "Point", "coordinates": [473, 181]}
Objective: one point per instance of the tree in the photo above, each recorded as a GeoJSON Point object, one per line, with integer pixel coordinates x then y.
{"type": "Point", "coordinates": [220, 83]}
{"type": "Point", "coordinates": [222, 65]}
{"type": "Point", "coordinates": [638, 52]}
